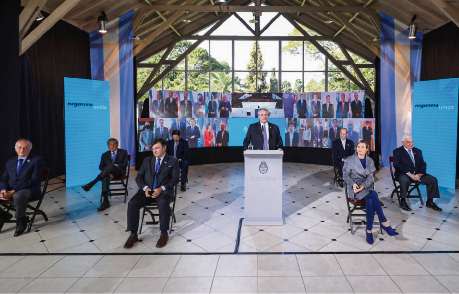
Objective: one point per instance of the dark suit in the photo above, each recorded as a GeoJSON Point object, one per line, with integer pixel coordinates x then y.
{"type": "Point", "coordinates": [333, 134]}
{"type": "Point", "coordinates": [225, 108]}
{"type": "Point", "coordinates": [302, 108]}
{"type": "Point", "coordinates": [190, 132]}
{"type": "Point", "coordinates": [356, 109]}
{"type": "Point", "coordinates": [181, 154]}
{"type": "Point", "coordinates": [222, 138]}
{"type": "Point", "coordinates": [186, 108]}
{"type": "Point", "coordinates": [212, 108]}
{"type": "Point", "coordinates": [255, 136]}
{"type": "Point", "coordinates": [158, 108]}
{"type": "Point", "coordinates": [403, 165]}
{"type": "Point", "coordinates": [108, 167]}
{"type": "Point", "coordinates": [170, 108]}
{"type": "Point", "coordinates": [339, 153]}
{"type": "Point", "coordinates": [315, 109]}
{"type": "Point", "coordinates": [366, 134]}
{"type": "Point", "coordinates": [328, 112]}
{"type": "Point", "coordinates": [26, 183]}
{"type": "Point", "coordinates": [317, 135]}
{"type": "Point", "coordinates": [295, 139]}
{"type": "Point", "coordinates": [167, 177]}
{"type": "Point", "coordinates": [162, 133]}
{"type": "Point", "coordinates": [342, 110]}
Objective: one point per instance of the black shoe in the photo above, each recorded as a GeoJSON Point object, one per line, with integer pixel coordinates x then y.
{"type": "Point", "coordinates": [404, 205]}
{"type": "Point", "coordinates": [105, 204]}
{"type": "Point", "coordinates": [21, 226]}
{"type": "Point", "coordinates": [131, 241]}
{"type": "Point", "coordinates": [87, 187]}
{"type": "Point", "coordinates": [162, 241]}
{"type": "Point", "coordinates": [183, 188]}
{"type": "Point", "coordinates": [431, 204]}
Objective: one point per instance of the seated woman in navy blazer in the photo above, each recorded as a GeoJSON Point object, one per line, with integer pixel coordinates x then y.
{"type": "Point", "coordinates": [358, 173]}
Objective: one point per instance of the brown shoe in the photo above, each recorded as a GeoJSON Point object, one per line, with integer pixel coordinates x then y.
{"type": "Point", "coordinates": [131, 241]}
{"type": "Point", "coordinates": [162, 241]}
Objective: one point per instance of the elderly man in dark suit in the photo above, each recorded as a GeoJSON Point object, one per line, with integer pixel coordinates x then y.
{"type": "Point", "coordinates": [156, 180]}
{"type": "Point", "coordinates": [263, 135]}
{"type": "Point", "coordinates": [341, 148]}
{"type": "Point", "coordinates": [410, 167]}
{"type": "Point", "coordinates": [178, 148]}
{"type": "Point", "coordinates": [20, 183]}
{"type": "Point", "coordinates": [113, 164]}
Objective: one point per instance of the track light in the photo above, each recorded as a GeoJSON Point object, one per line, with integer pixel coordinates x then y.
{"type": "Point", "coordinates": [412, 29]}
{"type": "Point", "coordinates": [102, 19]}
{"type": "Point", "coordinates": [221, 1]}
{"type": "Point", "coordinates": [40, 16]}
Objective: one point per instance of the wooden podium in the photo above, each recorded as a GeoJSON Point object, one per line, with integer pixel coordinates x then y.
{"type": "Point", "coordinates": [263, 187]}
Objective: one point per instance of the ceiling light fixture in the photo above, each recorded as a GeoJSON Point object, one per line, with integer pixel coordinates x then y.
{"type": "Point", "coordinates": [40, 16]}
{"type": "Point", "coordinates": [102, 19]}
{"type": "Point", "coordinates": [412, 29]}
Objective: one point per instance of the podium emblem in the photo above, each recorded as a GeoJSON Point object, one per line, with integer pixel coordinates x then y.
{"type": "Point", "coordinates": [263, 167]}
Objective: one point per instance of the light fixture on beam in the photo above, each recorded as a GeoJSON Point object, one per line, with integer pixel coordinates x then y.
{"type": "Point", "coordinates": [40, 16]}
{"type": "Point", "coordinates": [102, 20]}
{"type": "Point", "coordinates": [221, 1]}
{"type": "Point", "coordinates": [412, 29]}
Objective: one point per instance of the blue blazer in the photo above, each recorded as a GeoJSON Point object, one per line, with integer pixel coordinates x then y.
{"type": "Point", "coordinates": [28, 178]}
{"type": "Point", "coordinates": [255, 136]}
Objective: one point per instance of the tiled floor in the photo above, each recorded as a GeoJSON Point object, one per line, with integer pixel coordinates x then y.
{"type": "Point", "coordinates": [315, 243]}
{"type": "Point", "coordinates": [305, 273]}
{"type": "Point", "coordinates": [208, 215]}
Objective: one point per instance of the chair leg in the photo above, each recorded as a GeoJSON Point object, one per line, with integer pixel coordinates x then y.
{"type": "Point", "coordinates": [141, 223]}
{"type": "Point", "coordinates": [420, 195]}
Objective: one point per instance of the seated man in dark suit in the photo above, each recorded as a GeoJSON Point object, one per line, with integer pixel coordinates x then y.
{"type": "Point", "coordinates": [178, 148]}
{"type": "Point", "coordinates": [410, 167]}
{"type": "Point", "coordinates": [156, 180]}
{"type": "Point", "coordinates": [112, 165]}
{"type": "Point", "coordinates": [263, 135]}
{"type": "Point", "coordinates": [20, 183]}
{"type": "Point", "coordinates": [341, 148]}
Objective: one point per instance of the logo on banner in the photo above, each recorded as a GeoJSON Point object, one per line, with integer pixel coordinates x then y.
{"type": "Point", "coordinates": [263, 168]}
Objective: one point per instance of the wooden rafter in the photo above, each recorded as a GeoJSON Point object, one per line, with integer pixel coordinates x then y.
{"type": "Point", "coordinates": [448, 10]}
{"type": "Point", "coordinates": [164, 26]}
{"type": "Point", "coordinates": [180, 58]}
{"type": "Point", "coordinates": [170, 25]}
{"type": "Point", "coordinates": [47, 24]}
{"type": "Point", "coordinates": [244, 23]}
{"type": "Point", "coordinates": [29, 14]}
{"type": "Point", "coordinates": [245, 8]}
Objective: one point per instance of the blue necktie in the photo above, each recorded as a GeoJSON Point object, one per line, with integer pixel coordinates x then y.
{"type": "Point", "coordinates": [19, 166]}
{"type": "Point", "coordinates": [155, 179]}
{"type": "Point", "coordinates": [411, 156]}
{"type": "Point", "coordinates": [113, 156]}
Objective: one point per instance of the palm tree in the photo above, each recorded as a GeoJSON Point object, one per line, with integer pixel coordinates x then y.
{"type": "Point", "coordinates": [221, 81]}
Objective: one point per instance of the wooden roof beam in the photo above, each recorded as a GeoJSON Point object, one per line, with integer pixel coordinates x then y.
{"type": "Point", "coordinates": [448, 10]}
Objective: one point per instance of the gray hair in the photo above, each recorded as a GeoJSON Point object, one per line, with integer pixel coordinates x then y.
{"type": "Point", "coordinates": [406, 136]}
{"type": "Point", "coordinates": [29, 143]}
{"type": "Point", "coordinates": [264, 109]}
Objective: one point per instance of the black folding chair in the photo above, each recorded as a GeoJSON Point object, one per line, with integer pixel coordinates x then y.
{"type": "Point", "coordinates": [355, 209]}
{"type": "Point", "coordinates": [337, 179]}
{"type": "Point", "coordinates": [413, 186]}
{"type": "Point", "coordinates": [118, 186]}
{"type": "Point", "coordinates": [31, 210]}
{"type": "Point", "coordinates": [153, 210]}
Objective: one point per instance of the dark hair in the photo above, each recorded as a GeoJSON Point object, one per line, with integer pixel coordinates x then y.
{"type": "Point", "coordinates": [367, 145]}
{"type": "Point", "coordinates": [114, 140]}
{"type": "Point", "coordinates": [176, 132]}
{"type": "Point", "coordinates": [160, 141]}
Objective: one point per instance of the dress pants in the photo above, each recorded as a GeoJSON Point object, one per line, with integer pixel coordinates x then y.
{"type": "Point", "coordinates": [372, 207]}
{"type": "Point", "coordinates": [104, 177]}
{"type": "Point", "coordinates": [428, 180]}
{"type": "Point", "coordinates": [139, 201]}
{"type": "Point", "coordinates": [339, 165]}
{"type": "Point", "coordinates": [20, 200]}
{"type": "Point", "coordinates": [183, 165]}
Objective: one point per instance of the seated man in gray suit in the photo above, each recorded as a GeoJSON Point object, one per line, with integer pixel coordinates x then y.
{"type": "Point", "coordinates": [156, 180]}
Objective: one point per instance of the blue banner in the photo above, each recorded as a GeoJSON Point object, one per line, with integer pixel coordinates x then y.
{"type": "Point", "coordinates": [435, 127]}
{"type": "Point", "coordinates": [87, 128]}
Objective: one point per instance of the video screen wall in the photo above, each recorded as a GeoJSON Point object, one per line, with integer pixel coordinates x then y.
{"type": "Point", "coordinates": [311, 119]}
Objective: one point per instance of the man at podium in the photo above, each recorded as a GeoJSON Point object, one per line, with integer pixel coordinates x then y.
{"type": "Point", "coordinates": [263, 135]}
